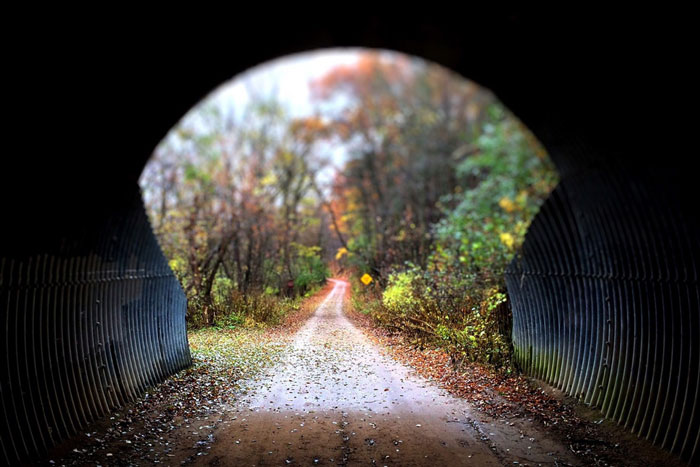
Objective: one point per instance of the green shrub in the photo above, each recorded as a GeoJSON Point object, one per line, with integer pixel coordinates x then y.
{"type": "Point", "coordinates": [458, 313]}
{"type": "Point", "coordinates": [256, 309]}
{"type": "Point", "coordinates": [398, 297]}
{"type": "Point", "coordinates": [310, 269]}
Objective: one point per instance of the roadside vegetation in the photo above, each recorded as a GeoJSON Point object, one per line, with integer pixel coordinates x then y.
{"type": "Point", "coordinates": [234, 207]}
{"type": "Point", "coordinates": [435, 209]}
{"type": "Point", "coordinates": [430, 201]}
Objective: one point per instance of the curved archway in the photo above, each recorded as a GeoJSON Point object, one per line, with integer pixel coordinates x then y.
{"type": "Point", "coordinates": [626, 247]}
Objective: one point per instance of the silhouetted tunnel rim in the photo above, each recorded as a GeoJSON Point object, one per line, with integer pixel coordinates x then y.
{"type": "Point", "coordinates": [620, 278]}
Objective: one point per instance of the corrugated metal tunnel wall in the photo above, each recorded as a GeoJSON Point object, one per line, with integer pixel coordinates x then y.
{"type": "Point", "coordinates": [606, 303]}
{"type": "Point", "coordinates": [608, 260]}
{"type": "Point", "coordinates": [87, 327]}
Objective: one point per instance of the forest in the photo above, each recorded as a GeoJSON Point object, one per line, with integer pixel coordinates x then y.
{"type": "Point", "coordinates": [430, 201]}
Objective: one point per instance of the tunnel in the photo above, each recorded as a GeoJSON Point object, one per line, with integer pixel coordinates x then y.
{"type": "Point", "coordinates": [605, 295]}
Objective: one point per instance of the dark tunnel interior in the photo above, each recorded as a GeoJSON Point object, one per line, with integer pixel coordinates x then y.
{"type": "Point", "coordinates": [606, 301]}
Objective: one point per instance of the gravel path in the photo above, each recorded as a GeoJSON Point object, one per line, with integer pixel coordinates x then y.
{"type": "Point", "coordinates": [335, 399]}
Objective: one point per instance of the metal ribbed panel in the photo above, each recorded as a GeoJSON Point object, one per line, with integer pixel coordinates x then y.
{"type": "Point", "coordinates": [87, 327]}
{"type": "Point", "coordinates": [606, 303]}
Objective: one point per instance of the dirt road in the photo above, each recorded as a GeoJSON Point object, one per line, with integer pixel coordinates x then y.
{"type": "Point", "coordinates": [335, 399]}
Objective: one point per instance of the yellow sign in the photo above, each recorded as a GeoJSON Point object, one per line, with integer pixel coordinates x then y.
{"type": "Point", "coordinates": [366, 279]}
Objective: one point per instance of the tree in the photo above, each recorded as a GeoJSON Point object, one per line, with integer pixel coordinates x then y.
{"type": "Point", "coordinates": [229, 196]}
{"type": "Point", "coordinates": [407, 125]}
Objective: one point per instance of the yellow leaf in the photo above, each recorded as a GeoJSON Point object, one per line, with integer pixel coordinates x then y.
{"type": "Point", "coordinates": [507, 204]}
{"type": "Point", "coordinates": [269, 179]}
{"type": "Point", "coordinates": [507, 239]}
{"type": "Point", "coordinates": [341, 251]}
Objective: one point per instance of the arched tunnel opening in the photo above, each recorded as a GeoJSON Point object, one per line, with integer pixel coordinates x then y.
{"type": "Point", "coordinates": [345, 159]}
{"type": "Point", "coordinates": [605, 296]}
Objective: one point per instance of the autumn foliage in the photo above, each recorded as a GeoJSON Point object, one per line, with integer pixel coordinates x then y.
{"type": "Point", "coordinates": [433, 202]}
{"type": "Point", "coordinates": [234, 207]}
{"type": "Point", "coordinates": [430, 201]}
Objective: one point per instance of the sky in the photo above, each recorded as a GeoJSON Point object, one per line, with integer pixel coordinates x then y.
{"type": "Point", "coordinates": [286, 78]}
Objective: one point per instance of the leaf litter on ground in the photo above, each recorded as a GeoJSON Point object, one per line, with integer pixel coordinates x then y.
{"type": "Point", "coordinates": [148, 430]}
{"type": "Point", "coordinates": [513, 398]}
